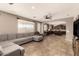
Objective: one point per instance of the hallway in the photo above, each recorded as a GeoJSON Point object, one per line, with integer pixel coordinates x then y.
{"type": "Point", "coordinates": [52, 45]}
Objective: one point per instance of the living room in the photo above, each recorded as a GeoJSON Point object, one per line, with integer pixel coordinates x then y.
{"type": "Point", "coordinates": [37, 29]}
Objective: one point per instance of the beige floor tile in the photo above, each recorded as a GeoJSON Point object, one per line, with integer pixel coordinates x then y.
{"type": "Point", "coordinates": [51, 46]}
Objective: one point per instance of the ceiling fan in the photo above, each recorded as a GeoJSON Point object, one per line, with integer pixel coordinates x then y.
{"type": "Point", "coordinates": [51, 15]}
{"type": "Point", "coordinates": [48, 16]}
{"type": "Point", "coordinates": [11, 3]}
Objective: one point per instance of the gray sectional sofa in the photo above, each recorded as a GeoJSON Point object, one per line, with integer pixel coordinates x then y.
{"type": "Point", "coordinates": [10, 43]}
{"type": "Point", "coordinates": [11, 49]}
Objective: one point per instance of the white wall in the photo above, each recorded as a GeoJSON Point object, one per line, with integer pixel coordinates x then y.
{"type": "Point", "coordinates": [45, 27]}
{"type": "Point", "coordinates": [8, 23]}
{"type": "Point", "coordinates": [69, 29]}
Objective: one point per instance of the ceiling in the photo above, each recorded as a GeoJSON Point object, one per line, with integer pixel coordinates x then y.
{"type": "Point", "coordinates": [37, 11]}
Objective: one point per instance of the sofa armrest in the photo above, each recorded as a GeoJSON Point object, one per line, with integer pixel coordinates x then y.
{"type": "Point", "coordinates": [37, 38]}
{"type": "Point", "coordinates": [13, 50]}
{"type": "Point", "coordinates": [1, 50]}
{"type": "Point", "coordinates": [21, 51]}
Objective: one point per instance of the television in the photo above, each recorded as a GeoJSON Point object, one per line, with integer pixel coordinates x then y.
{"type": "Point", "coordinates": [76, 28]}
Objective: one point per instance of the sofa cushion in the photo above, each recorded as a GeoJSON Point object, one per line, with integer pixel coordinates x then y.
{"type": "Point", "coordinates": [22, 40]}
{"type": "Point", "coordinates": [3, 37]}
{"type": "Point", "coordinates": [6, 44]}
{"type": "Point", "coordinates": [37, 38]}
{"type": "Point", "coordinates": [1, 50]}
{"type": "Point", "coordinates": [19, 35]}
{"type": "Point", "coordinates": [28, 34]}
{"type": "Point", "coordinates": [11, 36]}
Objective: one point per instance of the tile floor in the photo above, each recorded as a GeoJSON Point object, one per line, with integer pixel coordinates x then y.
{"type": "Point", "coordinates": [52, 45]}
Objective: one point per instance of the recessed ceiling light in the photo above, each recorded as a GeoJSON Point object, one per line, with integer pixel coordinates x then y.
{"type": "Point", "coordinates": [33, 7]}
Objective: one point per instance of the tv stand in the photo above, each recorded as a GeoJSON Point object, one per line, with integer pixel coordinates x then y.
{"type": "Point", "coordinates": [76, 46]}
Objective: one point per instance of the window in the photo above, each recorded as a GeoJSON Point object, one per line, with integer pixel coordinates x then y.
{"type": "Point", "coordinates": [45, 27]}
{"type": "Point", "coordinates": [25, 26]}
{"type": "Point", "coordinates": [39, 27]}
